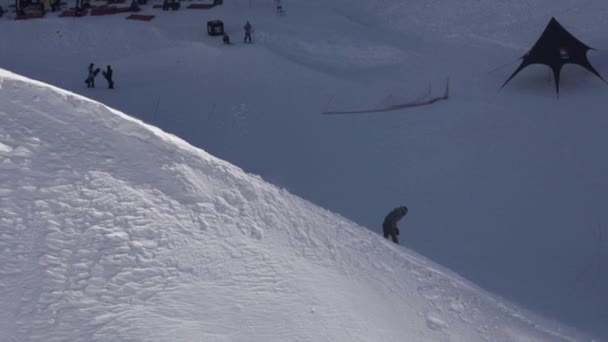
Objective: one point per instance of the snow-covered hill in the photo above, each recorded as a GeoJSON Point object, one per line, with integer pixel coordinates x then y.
{"type": "Point", "coordinates": [112, 230]}
{"type": "Point", "coordinates": [506, 188]}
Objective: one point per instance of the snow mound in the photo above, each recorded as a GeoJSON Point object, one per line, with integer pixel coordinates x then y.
{"type": "Point", "coordinates": [112, 230]}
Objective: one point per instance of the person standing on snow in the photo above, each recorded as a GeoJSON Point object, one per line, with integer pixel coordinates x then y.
{"type": "Point", "coordinates": [248, 29]}
{"type": "Point", "coordinates": [108, 76]}
{"type": "Point", "coordinates": [389, 226]}
{"type": "Point", "coordinates": [90, 81]}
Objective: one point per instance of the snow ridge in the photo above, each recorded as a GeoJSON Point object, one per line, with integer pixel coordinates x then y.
{"type": "Point", "coordinates": [112, 230]}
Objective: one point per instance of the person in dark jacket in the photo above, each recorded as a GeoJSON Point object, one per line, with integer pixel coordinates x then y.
{"type": "Point", "coordinates": [55, 5]}
{"type": "Point", "coordinates": [389, 226]}
{"type": "Point", "coordinates": [107, 74]}
{"type": "Point", "coordinates": [90, 81]}
{"type": "Point", "coordinates": [248, 29]}
{"type": "Point", "coordinates": [226, 39]}
{"type": "Point", "coordinates": [134, 7]}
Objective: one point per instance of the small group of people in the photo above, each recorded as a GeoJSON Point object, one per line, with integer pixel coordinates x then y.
{"type": "Point", "coordinates": [81, 6]}
{"type": "Point", "coordinates": [171, 5]}
{"type": "Point", "coordinates": [248, 31]}
{"type": "Point", "coordinates": [107, 74]}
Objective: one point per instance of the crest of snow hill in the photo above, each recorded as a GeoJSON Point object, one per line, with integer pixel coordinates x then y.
{"type": "Point", "coordinates": [113, 230]}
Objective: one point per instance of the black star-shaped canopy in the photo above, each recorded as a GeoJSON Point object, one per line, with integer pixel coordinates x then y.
{"type": "Point", "coordinates": [554, 48]}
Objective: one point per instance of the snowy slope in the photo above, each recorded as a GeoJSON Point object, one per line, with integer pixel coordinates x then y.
{"type": "Point", "coordinates": [505, 188]}
{"type": "Point", "coordinates": [115, 231]}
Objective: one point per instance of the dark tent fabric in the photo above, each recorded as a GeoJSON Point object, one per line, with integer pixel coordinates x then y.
{"type": "Point", "coordinates": [554, 48]}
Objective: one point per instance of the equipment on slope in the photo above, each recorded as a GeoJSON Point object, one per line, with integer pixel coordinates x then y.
{"type": "Point", "coordinates": [554, 48]}
{"type": "Point", "coordinates": [422, 101]}
{"type": "Point", "coordinates": [215, 28]}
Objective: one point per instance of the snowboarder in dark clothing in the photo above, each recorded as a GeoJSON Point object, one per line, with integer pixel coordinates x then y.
{"type": "Point", "coordinates": [248, 29]}
{"type": "Point", "coordinates": [18, 9]}
{"type": "Point", "coordinates": [134, 7]}
{"type": "Point", "coordinates": [226, 39]}
{"type": "Point", "coordinates": [389, 226]}
{"type": "Point", "coordinates": [90, 81]}
{"type": "Point", "coordinates": [107, 74]}
{"type": "Point", "coordinates": [55, 5]}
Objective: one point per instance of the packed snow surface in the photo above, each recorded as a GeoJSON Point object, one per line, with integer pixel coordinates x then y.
{"type": "Point", "coordinates": [506, 188]}
{"type": "Point", "coordinates": [112, 230]}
